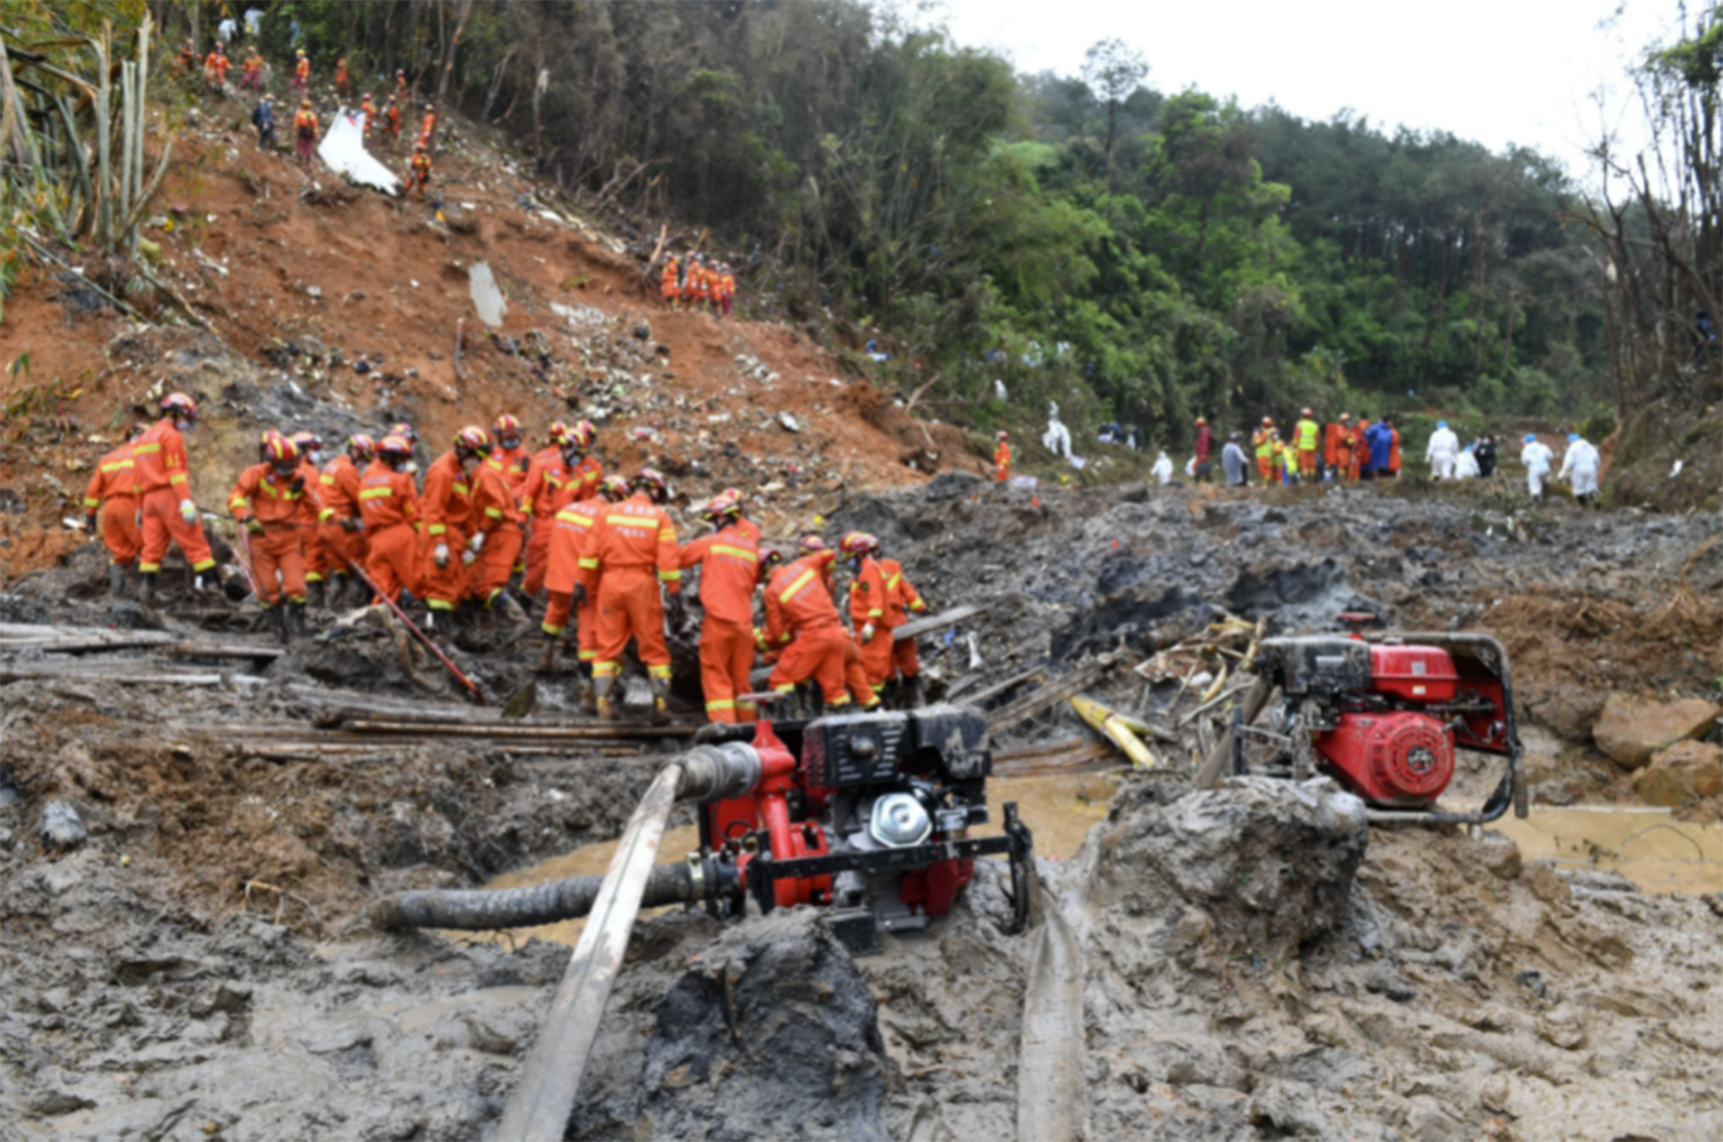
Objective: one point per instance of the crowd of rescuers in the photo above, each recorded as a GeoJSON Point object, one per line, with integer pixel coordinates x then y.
{"type": "Point", "coordinates": [493, 523]}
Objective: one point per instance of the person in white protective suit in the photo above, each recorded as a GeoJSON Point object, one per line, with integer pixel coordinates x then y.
{"type": "Point", "coordinates": [1444, 449]}
{"type": "Point", "coordinates": [1466, 467]}
{"type": "Point", "coordinates": [1057, 438]}
{"type": "Point", "coordinates": [1579, 465]}
{"type": "Point", "coordinates": [1163, 468]}
{"type": "Point", "coordinates": [1536, 456]}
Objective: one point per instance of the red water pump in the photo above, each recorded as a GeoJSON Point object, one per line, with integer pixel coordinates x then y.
{"type": "Point", "coordinates": [1384, 717]}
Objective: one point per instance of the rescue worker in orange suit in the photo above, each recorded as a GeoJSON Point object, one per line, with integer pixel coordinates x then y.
{"type": "Point", "coordinates": [340, 528]}
{"type": "Point", "coordinates": [428, 125]}
{"type": "Point", "coordinates": [627, 543]}
{"type": "Point", "coordinates": [855, 674]}
{"type": "Point", "coordinates": [802, 626]}
{"type": "Point", "coordinates": [586, 472]}
{"type": "Point", "coordinates": [215, 66]}
{"type": "Point", "coordinates": [1342, 462]}
{"type": "Point", "coordinates": [389, 511]}
{"type": "Point", "coordinates": [186, 59]}
{"type": "Point", "coordinates": [392, 118]}
{"type": "Point", "coordinates": [317, 565]}
{"type": "Point", "coordinates": [341, 77]}
{"type": "Point", "coordinates": [902, 601]}
{"type": "Point", "coordinates": [368, 110]}
{"type": "Point", "coordinates": [1001, 457]}
{"type": "Point", "coordinates": [726, 287]}
{"type": "Point", "coordinates": [301, 73]}
{"type": "Point", "coordinates": [509, 453]}
{"type": "Point", "coordinates": [1305, 438]}
{"type": "Point", "coordinates": [114, 489]}
{"type": "Point", "coordinates": [304, 132]}
{"type": "Point", "coordinates": [1262, 442]}
{"type": "Point", "coordinates": [1359, 450]}
{"type": "Point", "coordinates": [251, 72]}
{"type": "Point", "coordinates": [497, 535]}
{"type": "Point", "coordinates": [868, 600]}
{"type": "Point", "coordinates": [401, 83]}
{"type": "Point", "coordinates": [269, 500]}
{"type": "Point", "coordinates": [167, 512]}
{"type": "Point", "coordinates": [729, 562]}
{"type": "Point", "coordinates": [543, 493]}
{"type": "Point", "coordinates": [419, 171]}
{"type": "Point", "coordinates": [1330, 449]}
{"type": "Point", "coordinates": [670, 283]}
{"type": "Point", "coordinates": [694, 290]}
{"type": "Point", "coordinates": [446, 510]}
{"type": "Point", "coordinates": [569, 537]}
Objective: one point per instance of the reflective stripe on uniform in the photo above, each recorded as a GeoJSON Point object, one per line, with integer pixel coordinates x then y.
{"type": "Point", "coordinates": [374, 493]}
{"type": "Point", "coordinates": [795, 588]}
{"type": "Point", "coordinates": [721, 704]}
{"type": "Point", "coordinates": [738, 552]}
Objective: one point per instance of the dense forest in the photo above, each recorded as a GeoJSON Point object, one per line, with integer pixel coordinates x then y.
{"type": "Point", "coordinates": [1136, 254]}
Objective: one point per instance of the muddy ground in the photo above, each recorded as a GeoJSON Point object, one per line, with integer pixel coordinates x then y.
{"type": "Point", "coordinates": [1253, 962]}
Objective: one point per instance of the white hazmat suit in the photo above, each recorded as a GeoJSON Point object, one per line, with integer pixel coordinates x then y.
{"type": "Point", "coordinates": [1466, 467]}
{"type": "Point", "coordinates": [1163, 468]}
{"type": "Point", "coordinates": [1581, 461]}
{"type": "Point", "coordinates": [1536, 456]}
{"type": "Point", "coordinates": [1444, 448]}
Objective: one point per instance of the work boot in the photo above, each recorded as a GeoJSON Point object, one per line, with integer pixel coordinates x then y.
{"type": "Point", "coordinates": [116, 581]}
{"type": "Point", "coordinates": [147, 590]}
{"type": "Point", "coordinates": [912, 697]}
{"type": "Point", "coordinates": [547, 660]}
{"type": "Point", "coordinates": [314, 593]}
{"type": "Point", "coordinates": [588, 697]}
{"type": "Point", "coordinates": [278, 615]}
{"type": "Point", "coordinates": [660, 701]}
{"type": "Point", "coordinates": [601, 703]}
{"type": "Point", "coordinates": [511, 612]}
{"type": "Point", "coordinates": [295, 620]}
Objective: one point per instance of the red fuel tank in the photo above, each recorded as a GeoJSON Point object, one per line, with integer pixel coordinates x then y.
{"type": "Point", "coordinates": [1401, 759]}
{"type": "Point", "coordinates": [1414, 673]}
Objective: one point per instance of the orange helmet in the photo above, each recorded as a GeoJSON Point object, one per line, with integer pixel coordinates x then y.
{"type": "Point", "coordinates": [652, 481]}
{"type": "Point", "coordinates": [506, 425]}
{"type": "Point", "coordinates": [305, 104]}
{"type": "Point", "coordinates": [613, 488]}
{"type": "Point", "coordinates": [1201, 422]}
{"type": "Point", "coordinates": [557, 433]}
{"type": "Point", "coordinates": [394, 444]}
{"type": "Point", "coordinates": [474, 438]}
{"type": "Point", "coordinates": [179, 405]}
{"type": "Point", "coordinates": [811, 543]}
{"type": "Point", "coordinates": [1000, 435]}
{"type": "Point", "coordinates": [362, 447]}
{"type": "Point", "coordinates": [857, 543]}
{"type": "Point", "coordinates": [280, 451]}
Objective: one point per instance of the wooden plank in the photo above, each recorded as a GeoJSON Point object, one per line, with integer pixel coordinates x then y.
{"type": "Point", "coordinates": [547, 732]}
{"type": "Point", "coordinates": [1086, 757]}
{"type": "Point", "coordinates": [918, 627]}
{"type": "Point", "coordinates": [999, 688]}
{"type": "Point", "coordinates": [1040, 699]}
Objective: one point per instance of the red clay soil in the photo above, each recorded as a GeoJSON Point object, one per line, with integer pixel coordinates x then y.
{"type": "Point", "coordinates": [308, 257]}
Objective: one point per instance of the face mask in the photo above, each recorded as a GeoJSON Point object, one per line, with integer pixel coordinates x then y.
{"type": "Point", "coordinates": [315, 456]}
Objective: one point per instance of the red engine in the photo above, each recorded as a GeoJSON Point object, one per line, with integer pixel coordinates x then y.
{"type": "Point", "coordinates": [1385, 718]}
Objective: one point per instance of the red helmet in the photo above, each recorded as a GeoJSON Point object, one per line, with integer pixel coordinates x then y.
{"type": "Point", "coordinates": [180, 405]}
{"type": "Point", "coordinates": [307, 441]}
{"type": "Point", "coordinates": [582, 435]}
{"type": "Point", "coordinates": [651, 480]}
{"type": "Point", "coordinates": [394, 444]}
{"type": "Point", "coordinates": [473, 437]}
{"type": "Point", "coordinates": [812, 543]}
{"type": "Point", "coordinates": [279, 450]}
{"type": "Point", "coordinates": [741, 500]}
{"type": "Point", "coordinates": [362, 447]}
{"type": "Point", "coordinates": [557, 433]}
{"type": "Point", "coordinates": [770, 557]}
{"type": "Point", "coordinates": [723, 504]}
{"type": "Point", "coordinates": [1268, 422]}
{"type": "Point", "coordinates": [857, 543]}
{"type": "Point", "coordinates": [506, 425]}
{"type": "Point", "coordinates": [1000, 435]}
{"type": "Point", "coordinates": [613, 488]}
{"type": "Point", "coordinates": [405, 431]}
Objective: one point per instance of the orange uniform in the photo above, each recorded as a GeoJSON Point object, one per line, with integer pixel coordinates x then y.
{"type": "Point", "coordinates": [1331, 444]}
{"type": "Point", "coordinates": [902, 600]}
{"type": "Point", "coordinates": [394, 120]}
{"type": "Point", "coordinates": [317, 560]}
{"type": "Point", "coordinates": [672, 289]}
{"type": "Point", "coordinates": [801, 619]}
{"type": "Point", "coordinates": [496, 517]}
{"type": "Point", "coordinates": [369, 110]}
{"type": "Point", "coordinates": [446, 511]}
{"type": "Point", "coordinates": [868, 600]}
{"type": "Point", "coordinates": [1394, 450]}
{"type": "Point", "coordinates": [515, 463]}
{"type": "Point", "coordinates": [340, 76]}
{"type": "Point", "coordinates": [729, 562]}
{"type": "Point", "coordinates": [389, 508]}
{"type": "Point", "coordinates": [1002, 462]}
{"type": "Point", "coordinates": [628, 541]}
{"type": "Point", "coordinates": [338, 489]}
{"type": "Point", "coordinates": [543, 492]}
{"type": "Point", "coordinates": [419, 172]}
{"type": "Point", "coordinates": [570, 533]}
{"type": "Point", "coordinates": [253, 69]}
{"type": "Point", "coordinates": [163, 484]}
{"type": "Point", "coordinates": [426, 127]}
{"type": "Point", "coordinates": [278, 555]}
{"type": "Point", "coordinates": [215, 67]}
{"type": "Point", "coordinates": [584, 478]}
{"type": "Point", "coordinates": [114, 488]}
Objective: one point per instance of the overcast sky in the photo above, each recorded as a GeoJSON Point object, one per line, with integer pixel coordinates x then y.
{"type": "Point", "coordinates": [1497, 71]}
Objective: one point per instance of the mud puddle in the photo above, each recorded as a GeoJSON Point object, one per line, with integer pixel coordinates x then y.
{"type": "Point", "coordinates": [1059, 810]}
{"type": "Point", "coordinates": [1645, 844]}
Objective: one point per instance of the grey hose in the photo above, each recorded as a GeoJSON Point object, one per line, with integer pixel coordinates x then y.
{"type": "Point", "coordinates": [486, 910]}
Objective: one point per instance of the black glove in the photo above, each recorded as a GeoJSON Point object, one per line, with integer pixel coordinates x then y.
{"type": "Point", "coordinates": [298, 485]}
{"type": "Point", "coordinates": [90, 522]}
{"type": "Point", "coordinates": [350, 524]}
{"type": "Point", "coordinates": [579, 594]}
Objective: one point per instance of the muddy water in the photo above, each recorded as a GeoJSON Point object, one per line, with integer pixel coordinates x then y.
{"type": "Point", "coordinates": [1646, 845]}
{"type": "Point", "coordinates": [1059, 811]}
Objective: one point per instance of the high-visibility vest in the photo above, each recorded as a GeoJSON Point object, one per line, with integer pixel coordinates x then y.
{"type": "Point", "coordinates": [1307, 431]}
{"type": "Point", "coordinates": [1264, 441]}
{"type": "Point", "coordinates": [305, 124]}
